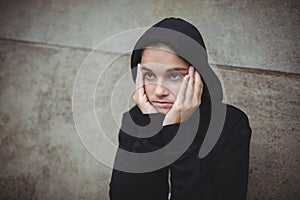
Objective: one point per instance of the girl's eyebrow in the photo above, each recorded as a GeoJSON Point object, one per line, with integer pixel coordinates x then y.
{"type": "Point", "coordinates": [169, 70]}
{"type": "Point", "coordinates": [177, 69]}
{"type": "Point", "coordinates": [145, 68]}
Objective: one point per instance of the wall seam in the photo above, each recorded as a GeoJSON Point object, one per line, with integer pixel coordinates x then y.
{"type": "Point", "coordinates": [218, 66]}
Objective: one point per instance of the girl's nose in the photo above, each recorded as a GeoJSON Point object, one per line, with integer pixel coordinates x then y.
{"type": "Point", "coordinates": [161, 90]}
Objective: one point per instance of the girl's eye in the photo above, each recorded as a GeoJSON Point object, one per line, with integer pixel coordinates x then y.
{"type": "Point", "coordinates": [149, 76]}
{"type": "Point", "coordinates": [175, 76]}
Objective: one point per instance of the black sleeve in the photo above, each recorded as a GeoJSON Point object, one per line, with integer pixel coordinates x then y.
{"type": "Point", "coordinates": [147, 185]}
{"type": "Point", "coordinates": [231, 173]}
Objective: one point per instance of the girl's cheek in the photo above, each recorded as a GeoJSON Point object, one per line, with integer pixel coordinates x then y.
{"type": "Point", "coordinates": [149, 87]}
{"type": "Point", "coordinates": [174, 88]}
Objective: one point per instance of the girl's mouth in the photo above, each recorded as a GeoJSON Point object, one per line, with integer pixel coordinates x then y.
{"type": "Point", "coordinates": [162, 104]}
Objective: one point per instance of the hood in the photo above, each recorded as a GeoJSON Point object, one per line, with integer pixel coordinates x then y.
{"type": "Point", "coordinates": [184, 39]}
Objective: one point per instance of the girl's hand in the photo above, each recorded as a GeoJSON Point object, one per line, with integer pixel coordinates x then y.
{"type": "Point", "coordinates": [188, 98]}
{"type": "Point", "coordinates": [139, 96]}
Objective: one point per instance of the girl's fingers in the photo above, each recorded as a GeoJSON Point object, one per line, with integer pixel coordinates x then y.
{"type": "Point", "coordinates": [190, 88]}
{"type": "Point", "coordinates": [139, 96]}
{"type": "Point", "coordinates": [140, 84]}
{"type": "Point", "coordinates": [139, 89]}
{"type": "Point", "coordinates": [182, 90]}
{"type": "Point", "coordinates": [138, 79]}
{"type": "Point", "coordinates": [191, 73]}
{"type": "Point", "coordinates": [198, 85]}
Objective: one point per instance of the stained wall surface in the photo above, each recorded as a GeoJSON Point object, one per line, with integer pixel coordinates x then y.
{"type": "Point", "coordinates": [44, 44]}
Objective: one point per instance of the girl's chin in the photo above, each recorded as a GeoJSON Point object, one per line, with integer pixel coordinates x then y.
{"type": "Point", "coordinates": [163, 110]}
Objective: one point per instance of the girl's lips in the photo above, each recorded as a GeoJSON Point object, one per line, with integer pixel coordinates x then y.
{"type": "Point", "coordinates": [162, 104]}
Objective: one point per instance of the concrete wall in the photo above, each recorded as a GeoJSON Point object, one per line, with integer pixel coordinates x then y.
{"type": "Point", "coordinates": [255, 45]}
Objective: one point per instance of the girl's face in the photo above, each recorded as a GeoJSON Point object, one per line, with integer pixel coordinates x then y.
{"type": "Point", "coordinates": [163, 72]}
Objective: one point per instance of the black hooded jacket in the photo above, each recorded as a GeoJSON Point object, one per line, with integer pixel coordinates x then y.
{"type": "Point", "coordinates": [219, 174]}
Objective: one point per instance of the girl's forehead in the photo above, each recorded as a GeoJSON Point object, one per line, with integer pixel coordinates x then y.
{"type": "Point", "coordinates": [162, 57]}
{"type": "Point", "coordinates": [161, 46]}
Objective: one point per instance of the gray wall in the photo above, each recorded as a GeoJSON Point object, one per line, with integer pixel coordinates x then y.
{"type": "Point", "coordinates": [255, 45]}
